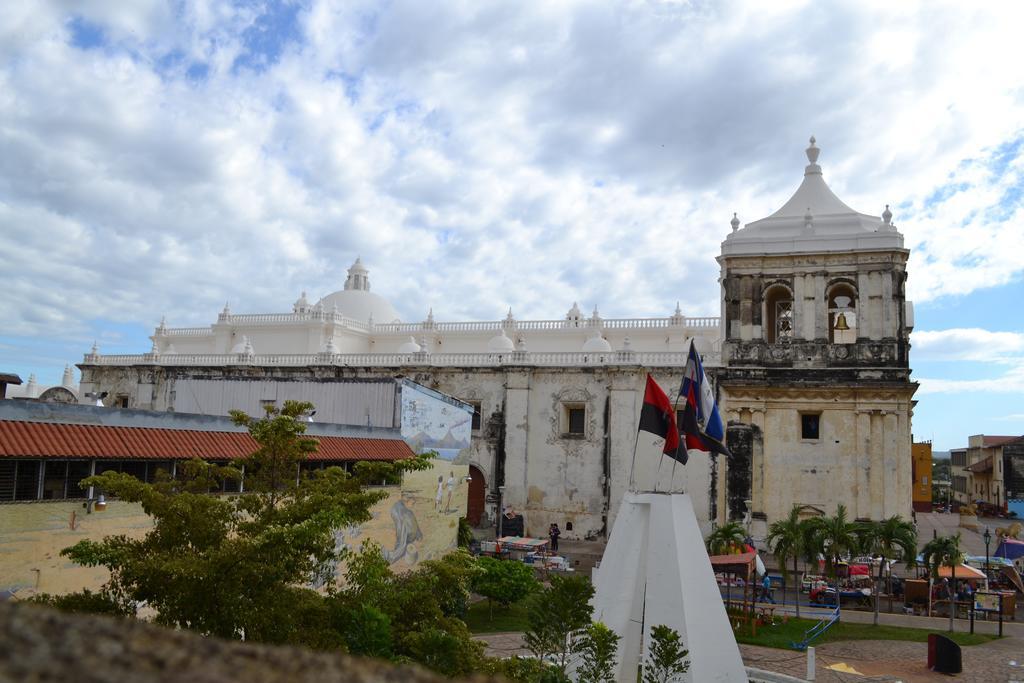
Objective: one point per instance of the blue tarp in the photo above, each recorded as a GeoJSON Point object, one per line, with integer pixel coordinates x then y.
{"type": "Point", "coordinates": [1010, 549]}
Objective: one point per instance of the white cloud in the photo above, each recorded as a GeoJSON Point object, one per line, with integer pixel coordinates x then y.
{"type": "Point", "coordinates": [973, 344]}
{"type": "Point", "coordinates": [510, 155]}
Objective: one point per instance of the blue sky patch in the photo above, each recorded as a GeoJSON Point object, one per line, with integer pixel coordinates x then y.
{"type": "Point", "coordinates": [86, 35]}
{"type": "Point", "coordinates": [268, 36]}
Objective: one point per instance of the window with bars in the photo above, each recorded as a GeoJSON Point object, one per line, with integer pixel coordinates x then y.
{"type": "Point", "coordinates": [574, 420]}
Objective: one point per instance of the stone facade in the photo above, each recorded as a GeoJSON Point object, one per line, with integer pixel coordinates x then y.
{"type": "Point", "coordinates": [810, 359]}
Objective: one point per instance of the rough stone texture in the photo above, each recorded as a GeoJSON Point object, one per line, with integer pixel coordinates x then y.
{"type": "Point", "coordinates": [40, 645]}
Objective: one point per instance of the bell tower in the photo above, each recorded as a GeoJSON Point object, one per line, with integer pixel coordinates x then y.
{"type": "Point", "coordinates": [815, 356]}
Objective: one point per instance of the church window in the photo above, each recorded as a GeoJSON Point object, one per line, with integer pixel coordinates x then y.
{"type": "Point", "coordinates": [842, 314]}
{"type": "Point", "coordinates": [810, 426]}
{"type": "Point", "coordinates": [476, 415]}
{"type": "Point", "coordinates": [574, 420]}
{"type": "Point", "coordinates": [778, 315]}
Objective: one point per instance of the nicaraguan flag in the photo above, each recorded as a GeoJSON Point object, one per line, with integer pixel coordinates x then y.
{"type": "Point", "coordinates": [701, 424]}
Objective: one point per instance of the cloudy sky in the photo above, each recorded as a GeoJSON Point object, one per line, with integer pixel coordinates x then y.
{"type": "Point", "coordinates": [161, 158]}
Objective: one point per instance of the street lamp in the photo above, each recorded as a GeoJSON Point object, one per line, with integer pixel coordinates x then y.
{"type": "Point", "coordinates": [501, 511]}
{"type": "Point", "coordinates": [988, 539]}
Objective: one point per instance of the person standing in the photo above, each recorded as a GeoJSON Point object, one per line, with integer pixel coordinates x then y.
{"type": "Point", "coordinates": [440, 492]}
{"type": "Point", "coordinates": [451, 490]}
{"type": "Point", "coordinates": [766, 590]}
{"type": "Point", "coordinates": [553, 533]}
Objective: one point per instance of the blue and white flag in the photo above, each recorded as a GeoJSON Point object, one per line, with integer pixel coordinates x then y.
{"type": "Point", "coordinates": [701, 424]}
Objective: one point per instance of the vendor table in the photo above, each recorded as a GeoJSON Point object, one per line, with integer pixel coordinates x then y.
{"type": "Point", "coordinates": [522, 545]}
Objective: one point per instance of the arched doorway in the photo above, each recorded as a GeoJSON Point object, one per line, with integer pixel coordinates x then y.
{"type": "Point", "coordinates": [477, 491]}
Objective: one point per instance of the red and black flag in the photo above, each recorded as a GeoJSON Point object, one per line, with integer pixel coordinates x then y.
{"type": "Point", "coordinates": [659, 417]}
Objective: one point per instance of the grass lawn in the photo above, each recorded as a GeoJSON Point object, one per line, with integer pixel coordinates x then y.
{"type": "Point", "coordinates": [784, 635]}
{"type": "Point", "coordinates": [479, 621]}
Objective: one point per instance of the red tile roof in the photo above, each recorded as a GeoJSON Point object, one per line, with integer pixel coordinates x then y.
{"type": "Point", "coordinates": [50, 440]}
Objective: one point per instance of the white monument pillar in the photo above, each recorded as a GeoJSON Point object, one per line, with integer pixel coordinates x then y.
{"type": "Point", "coordinates": [655, 571]}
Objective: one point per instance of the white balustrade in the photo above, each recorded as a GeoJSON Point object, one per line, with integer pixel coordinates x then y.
{"type": "Point", "coordinates": [526, 358]}
{"type": "Point", "coordinates": [188, 332]}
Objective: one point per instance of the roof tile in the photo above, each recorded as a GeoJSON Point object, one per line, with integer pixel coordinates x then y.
{"type": "Point", "coordinates": [19, 439]}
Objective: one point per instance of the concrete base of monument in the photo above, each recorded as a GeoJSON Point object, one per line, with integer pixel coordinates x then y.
{"type": "Point", "coordinates": [655, 571]}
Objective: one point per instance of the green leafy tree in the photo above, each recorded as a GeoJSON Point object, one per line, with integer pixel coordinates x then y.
{"type": "Point", "coordinates": [454, 575]}
{"type": "Point", "coordinates": [378, 472]}
{"type": "Point", "coordinates": [556, 616]}
{"type": "Point", "coordinates": [786, 539]}
{"type": "Point", "coordinates": [417, 605]}
{"type": "Point", "coordinates": [465, 536]}
{"type": "Point", "coordinates": [596, 649]}
{"type": "Point", "coordinates": [944, 551]}
{"type": "Point", "coordinates": [834, 537]}
{"type": "Point", "coordinates": [367, 632]}
{"type": "Point", "coordinates": [503, 582]}
{"type": "Point", "coordinates": [233, 566]}
{"type": "Point", "coordinates": [890, 539]}
{"type": "Point", "coordinates": [725, 539]}
{"type": "Point", "coordinates": [99, 602]}
{"type": "Point", "coordinates": [666, 657]}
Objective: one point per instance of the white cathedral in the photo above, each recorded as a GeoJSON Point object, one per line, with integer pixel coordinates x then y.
{"type": "Point", "coordinates": [810, 359]}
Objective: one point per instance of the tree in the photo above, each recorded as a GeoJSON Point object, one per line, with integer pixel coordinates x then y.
{"type": "Point", "coordinates": [596, 649]}
{"type": "Point", "coordinates": [727, 538]}
{"type": "Point", "coordinates": [453, 575]}
{"type": "Point", "coordinates": [666, 658]}
{"type": "Point", "coordinates": [786, 539]}
{"type": "Point", "coordinates": [944, 551]}
{"type": "Point", "coordinates": [234, 566]}
{"type": "Point", "coordinates": [417, 606]}
{"type": "Point", "coordinates": [834, 537]}
{"type": "Point", "coordinates": [556, 616]}
{"type": "Point", "coordinates": [890, 539]}
{"type": "Point", "coordinates": [503, 582]}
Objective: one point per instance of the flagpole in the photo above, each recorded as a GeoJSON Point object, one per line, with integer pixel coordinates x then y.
{"type": "Point", "coordinates": [632, 465]}
{"type": "Point", "coordinates": [682, 444]}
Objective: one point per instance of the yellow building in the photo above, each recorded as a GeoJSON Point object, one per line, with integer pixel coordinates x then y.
{"type": "Point", "coordinates": [921, 457]}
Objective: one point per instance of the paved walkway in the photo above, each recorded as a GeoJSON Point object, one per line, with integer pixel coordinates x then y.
{"type": "Point", "coordinates": [863, 661]}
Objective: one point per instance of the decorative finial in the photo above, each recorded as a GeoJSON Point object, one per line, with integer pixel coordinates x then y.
{"type": "Point", "coordinates": [813, 151]}
{"type": "Point", "coordinates": [735, 222]}
{"type": "Point", "coordinates": [163, 322]}
{"type": "Point", "coordinates": [596, 315]}
{"type": "Point", "coordinates": [95, 348]}
{"type": "Point", "coordinates": [887, 215]}
{"type": "Point", "coordinates": [679, 311]}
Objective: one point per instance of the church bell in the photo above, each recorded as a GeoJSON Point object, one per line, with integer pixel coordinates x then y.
{"type": "Point", "coordinates": [841, 324]}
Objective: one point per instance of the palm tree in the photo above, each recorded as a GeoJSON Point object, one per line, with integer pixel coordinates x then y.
{"type": "Point", "coordinates": [726, 539]}
{"type": "Point", "coordinates": [786, 540]}
{"type": "Point", "coordinates": [890, 539]}
{"type": "Point", "coordinates": [834, 537]}
{"type": "Point", "coordinates": [944, 551]}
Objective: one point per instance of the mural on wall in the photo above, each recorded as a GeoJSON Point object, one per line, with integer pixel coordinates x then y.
{"type": "Point", "coordinates": [419, 520]}
{"type": "Point", "coordinates": [433, 421]}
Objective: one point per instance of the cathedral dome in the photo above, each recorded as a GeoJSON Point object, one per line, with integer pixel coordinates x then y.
{"type": "Point", "coordinates": [360, 305]}
{"type": "Point", "coordinates": [356, 301]}
{"type": "Point", "coordinates": [500, 343]}
{"type": "Point", "coordinates": [409, 346]}
{"type": "Point", "coordinates": [596, 344]}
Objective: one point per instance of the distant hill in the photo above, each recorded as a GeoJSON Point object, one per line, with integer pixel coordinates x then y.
{"type": "Point", "coordinates": [940, 455]}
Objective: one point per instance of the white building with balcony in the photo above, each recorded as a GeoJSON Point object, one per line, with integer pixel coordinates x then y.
{"type": "Point", "coordinates": [814, 330]}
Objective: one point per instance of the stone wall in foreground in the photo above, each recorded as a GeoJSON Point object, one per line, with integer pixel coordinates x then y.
{"type": "Point", "coordinates": [41, 644]}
